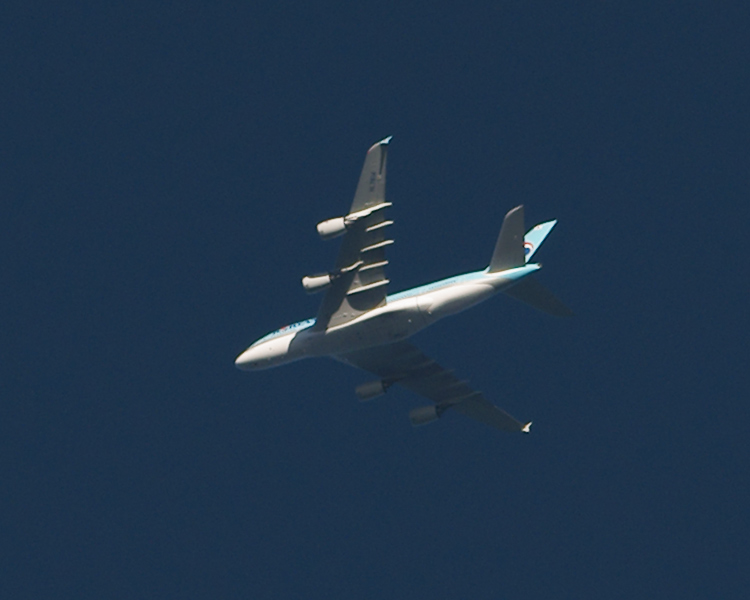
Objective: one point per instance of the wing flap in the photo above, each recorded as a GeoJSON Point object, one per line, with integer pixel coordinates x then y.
{"type": "Point", "coordinates": [367, 287]}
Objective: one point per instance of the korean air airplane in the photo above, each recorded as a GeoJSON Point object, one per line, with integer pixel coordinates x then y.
{"type": "Point", "coordinates": [359, 324]}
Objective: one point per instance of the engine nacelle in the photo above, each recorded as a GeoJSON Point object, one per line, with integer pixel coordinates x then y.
{"type": "Point", "coordinates": [424, 415]}
{"type": "Point", "coordinates": [316, 283]}
{"type": "Point", "coordinates": [371, 389]}
{"type": "Point", "coordinates": [332, 228]}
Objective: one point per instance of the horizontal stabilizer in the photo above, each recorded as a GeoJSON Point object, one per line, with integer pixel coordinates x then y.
{"type": "Point", "coordinates": [530, 291]}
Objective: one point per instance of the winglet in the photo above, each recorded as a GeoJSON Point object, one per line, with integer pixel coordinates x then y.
{"type": "Point", "coordinates": [383, 142]}
{"type": "Point", "coordinates": [526, 428]}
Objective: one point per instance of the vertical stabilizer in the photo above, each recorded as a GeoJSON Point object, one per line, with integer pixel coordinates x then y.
{"type": "Point", "coordinates": [535, 236]}
{"type": "Point", "coordinates": [509, 251]}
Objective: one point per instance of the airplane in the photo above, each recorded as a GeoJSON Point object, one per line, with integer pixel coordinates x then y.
{"type": "Point", "coordinates": [362, 326]}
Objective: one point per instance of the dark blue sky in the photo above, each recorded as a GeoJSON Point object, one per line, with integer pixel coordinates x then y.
{"type": "Point", "coordinates": [163, 167]}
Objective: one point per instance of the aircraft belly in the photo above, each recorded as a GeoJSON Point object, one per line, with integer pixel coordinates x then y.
{"type": "Point", "coordinates": [453, 299]}
{"type": "Point", "coordinates": [384, 326]}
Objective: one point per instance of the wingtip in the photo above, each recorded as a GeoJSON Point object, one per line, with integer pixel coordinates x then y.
{"type": "Point", "coordinates": [383, 142]}
{"type": "Point", "coordinates": [526, 428]}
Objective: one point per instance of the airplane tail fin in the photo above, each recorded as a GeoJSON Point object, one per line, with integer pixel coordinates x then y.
{"type": "Point", "coordinates": [535, 237]}
{"type": "Point", "coordinates": [512, 250]}
{"type": "Point", "coordinates": [509, 252]}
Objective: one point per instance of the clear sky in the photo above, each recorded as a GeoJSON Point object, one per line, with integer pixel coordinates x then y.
{"type": "Point", "coordinates": [162, 169]}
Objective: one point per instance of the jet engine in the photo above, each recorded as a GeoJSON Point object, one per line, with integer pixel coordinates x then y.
{"type": "Point", "coordinates": [424, 415]}
{"type": "Point", "coordinates": [332, 228]}
{"type": "Point", "coordinates": [316, 283]}
{"type": "Point", "coordinates": [371, 389]}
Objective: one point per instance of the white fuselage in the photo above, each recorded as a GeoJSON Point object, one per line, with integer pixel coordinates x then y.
{"type": "Point", "coordinates": [400, 317]}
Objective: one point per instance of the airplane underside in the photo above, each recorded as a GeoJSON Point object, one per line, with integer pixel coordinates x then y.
{"type": "Point", "coordinates": [360, 325]}
{"type": "Point", "coordinates": [400, 319]}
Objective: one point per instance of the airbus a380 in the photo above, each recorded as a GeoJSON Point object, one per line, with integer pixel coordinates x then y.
{"type": "Point", "coordinates": [359, 324]}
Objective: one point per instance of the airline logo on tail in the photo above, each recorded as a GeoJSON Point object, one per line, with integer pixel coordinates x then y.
{"type": "Point", "coordinates": [534, 238]}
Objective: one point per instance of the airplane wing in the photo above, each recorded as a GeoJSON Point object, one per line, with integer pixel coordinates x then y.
{"type": "Point", "coordinates": [404, 364]}
{"type": "Point", "coordinates": [360, 284]}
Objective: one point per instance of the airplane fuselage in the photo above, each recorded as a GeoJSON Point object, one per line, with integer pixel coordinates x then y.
{"type": "Point", "coordinates": [403, 315]}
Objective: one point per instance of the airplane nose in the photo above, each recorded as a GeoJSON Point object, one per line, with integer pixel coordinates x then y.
{"type": "Point", "coordinates": [246, 360]}
{"type": "Point", "coordinates": [264, 355]}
